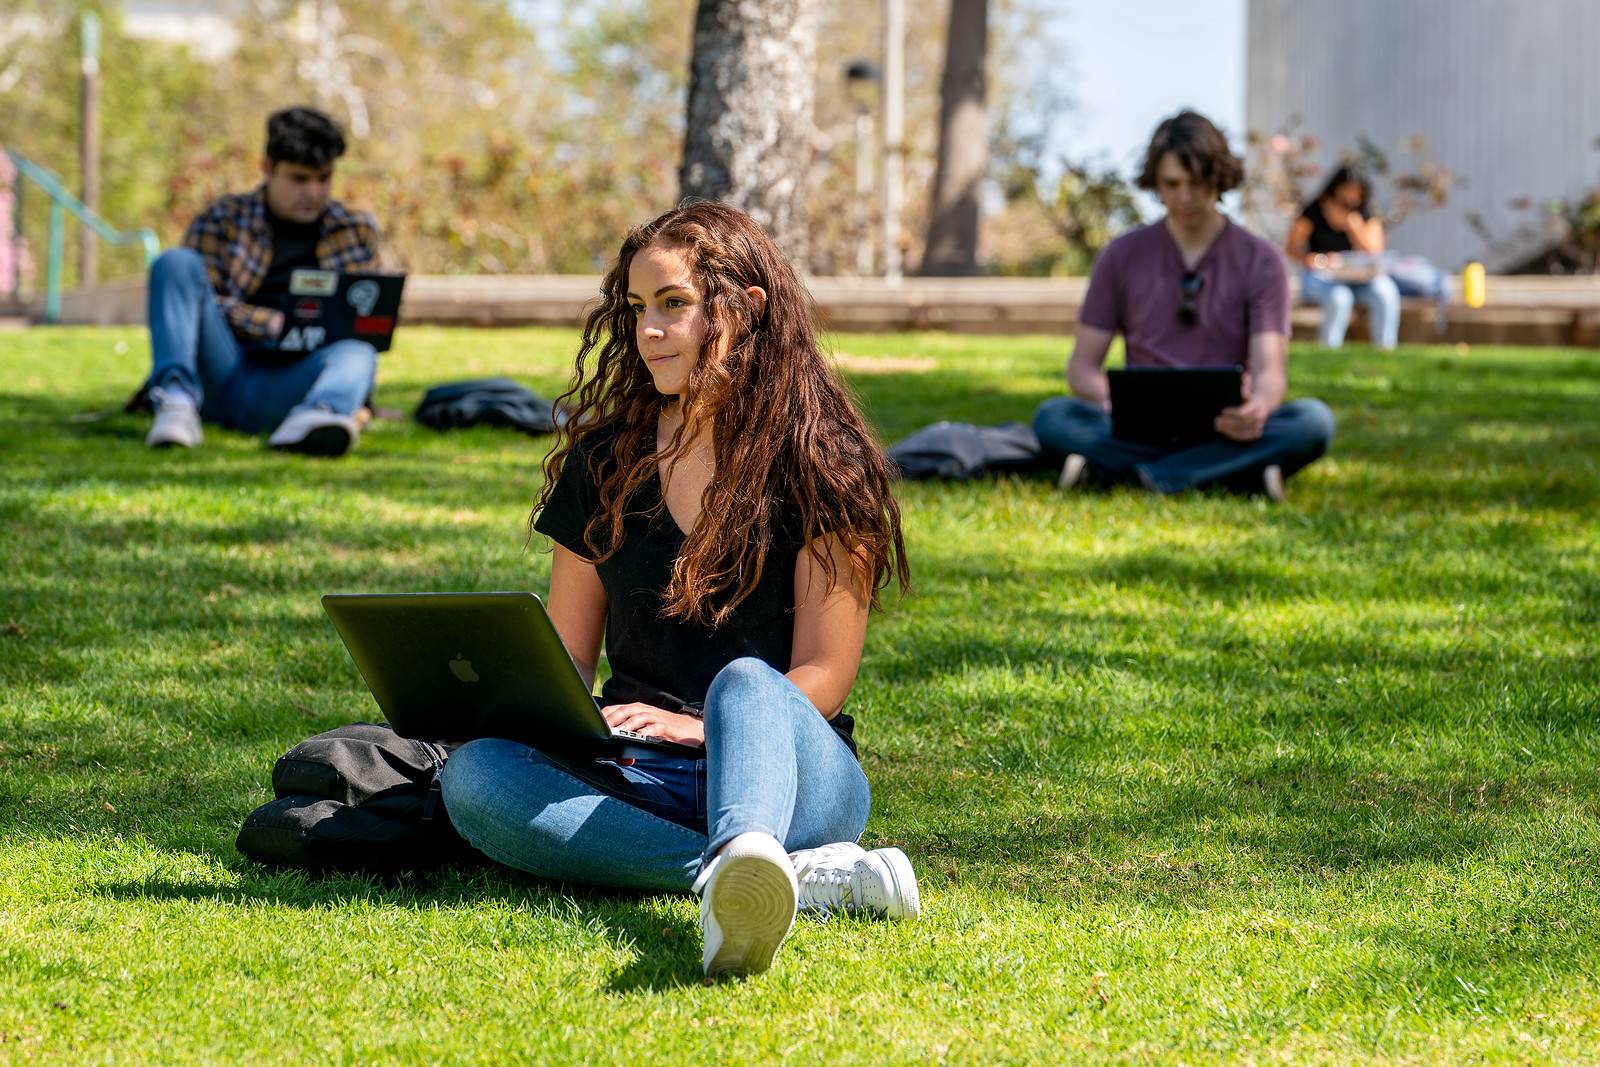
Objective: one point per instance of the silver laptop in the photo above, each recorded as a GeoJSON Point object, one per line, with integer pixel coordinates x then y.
{"type": "Point", "coordinates": [460, 666]}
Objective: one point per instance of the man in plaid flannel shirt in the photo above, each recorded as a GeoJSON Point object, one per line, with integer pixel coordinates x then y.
{"type": "Point", "coordinates": [216, 305]}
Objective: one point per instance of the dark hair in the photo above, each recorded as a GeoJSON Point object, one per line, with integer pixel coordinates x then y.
{"type": "Point", "coordinates": [303, 135]}
{"type": "Point", "coordinates": [787, 434]}
{"type": "Point", "coordinates": [1199, 146]}
{"type": "Point", "coordinates": [1346, 174]}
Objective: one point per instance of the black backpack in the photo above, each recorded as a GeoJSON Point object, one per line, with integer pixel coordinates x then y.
{"type": "Point", "coordinates": [359, 799]}
{"type": "Point", "coordinates": [485, 402]}
{"type": "Point", "coordinates": [959, 450]}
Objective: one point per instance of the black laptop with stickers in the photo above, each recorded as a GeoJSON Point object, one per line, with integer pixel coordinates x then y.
{"type": "Point", "coordinates": [324, 306]}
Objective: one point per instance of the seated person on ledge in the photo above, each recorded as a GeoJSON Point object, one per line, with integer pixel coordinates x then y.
{"type": "Point", "coordinates": [1339, 244]}
{"type": "Point", "coordinates": [216, 305]}
{"type": "Point", "coordinates": [1190, 290]}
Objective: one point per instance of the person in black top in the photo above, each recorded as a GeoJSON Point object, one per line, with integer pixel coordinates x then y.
{"type": "Point", "coordinates": [1339, 245]}
{"type": "Point", "coordinates": [218, 305]}
{"type": "Point", "coordinates": [722, 521]}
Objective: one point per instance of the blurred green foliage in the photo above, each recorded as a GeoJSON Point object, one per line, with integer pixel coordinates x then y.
{"type": "Point", "coordinates": [488, 136]}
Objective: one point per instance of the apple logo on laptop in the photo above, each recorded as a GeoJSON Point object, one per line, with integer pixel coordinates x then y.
{"type": "Point", "coordinates": [462, 669]}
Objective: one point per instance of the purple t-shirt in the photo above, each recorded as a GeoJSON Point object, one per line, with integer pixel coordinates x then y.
{"type": "Point", "coordinates": [1134, 290]}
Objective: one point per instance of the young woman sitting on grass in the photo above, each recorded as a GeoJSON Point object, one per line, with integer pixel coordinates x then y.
{"type": "Point", "coordinates": [722, 519]}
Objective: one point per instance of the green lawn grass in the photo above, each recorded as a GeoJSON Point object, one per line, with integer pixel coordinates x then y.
{"type": "Point", "coordinates": [1185, 780]}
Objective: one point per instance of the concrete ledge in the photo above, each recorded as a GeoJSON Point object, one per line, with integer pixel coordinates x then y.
{"type": "Point", "coordinates": [1522, 310]}
{"type": "Point", "coordinates": [1536, 325]}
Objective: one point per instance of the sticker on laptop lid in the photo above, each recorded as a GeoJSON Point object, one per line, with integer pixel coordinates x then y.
{"type": "Point", "coordinates": [363, 296]}
{"type": "Point", "coordinates": [313, 282]}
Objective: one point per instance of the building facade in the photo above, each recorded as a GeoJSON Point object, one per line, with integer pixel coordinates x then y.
{"type": "Point", "coordinates": [1506, 93]}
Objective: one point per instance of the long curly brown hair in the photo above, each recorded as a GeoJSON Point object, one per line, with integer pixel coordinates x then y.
{"type": "Point", "coordinates": [787, 434]}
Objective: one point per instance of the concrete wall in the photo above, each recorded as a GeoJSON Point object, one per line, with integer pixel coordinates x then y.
{"type": "Point", "coordinates": [1506, 92]}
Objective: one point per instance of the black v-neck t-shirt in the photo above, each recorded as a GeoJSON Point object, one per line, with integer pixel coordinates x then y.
{"type": "Point", "coordinates": [657, 660]}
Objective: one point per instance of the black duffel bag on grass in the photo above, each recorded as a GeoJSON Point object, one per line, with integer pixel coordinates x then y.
{"type": "Point", "coordinates": [957, 451]}
{"type": "Point", "coordinates": [358, 799]}
{"type": "Point", "coordinates": [486, 402]}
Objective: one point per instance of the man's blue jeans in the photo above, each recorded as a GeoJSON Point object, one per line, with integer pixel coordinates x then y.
{"type": "Point", "coordinates": [772, 764]}
{"type": "Point", "coordinates": [192, 349]}
{"type": "Point", "coordinates": [1295, 434]}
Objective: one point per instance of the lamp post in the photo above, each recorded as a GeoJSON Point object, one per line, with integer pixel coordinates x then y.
{"type": "Point", "coordinates": [894, 111]}
{"type": "Point", "coordinates": [89, 141]}
{"type": "Point", "coordinates": [862, 77]}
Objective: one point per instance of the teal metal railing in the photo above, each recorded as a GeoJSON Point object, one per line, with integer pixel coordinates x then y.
{"type": "Point", "coordinates": [62, 202]}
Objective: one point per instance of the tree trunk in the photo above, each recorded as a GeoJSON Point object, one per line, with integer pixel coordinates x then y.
{"type": "Point", "coordinates": [952, 247]}
{"type": "Point", "coordinates": [752, 89]}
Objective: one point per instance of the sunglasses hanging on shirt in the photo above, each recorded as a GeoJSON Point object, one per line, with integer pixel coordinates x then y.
{"type": "Point", "coordinates": [1189, 287]}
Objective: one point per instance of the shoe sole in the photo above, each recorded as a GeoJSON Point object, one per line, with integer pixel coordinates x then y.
{"type": "Point", "coordinates": [897, 882]}
{"type": "Point", "coordinates": [1072, 472]}
{"type": "Point", "coordinates": [321, 441]}
{"type": "Point", "coordinates": [753, 900]}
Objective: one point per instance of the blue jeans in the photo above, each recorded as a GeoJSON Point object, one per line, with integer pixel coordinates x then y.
{"type": "Point", "coordinates": [1380, 295]}
{"type": "Point", "coordinates": [772, 764]}
{"type": "Point", "coordinates": [1295, 434]}
{"type": "Point", "coordinates": [193, 349]}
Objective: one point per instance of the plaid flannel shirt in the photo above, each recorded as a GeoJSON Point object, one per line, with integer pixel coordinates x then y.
{"type": "Point", "coordinates": [234, 239]}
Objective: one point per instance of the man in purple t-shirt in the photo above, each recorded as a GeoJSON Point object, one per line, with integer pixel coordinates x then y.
{"type": "Point", "coordinates": [1190, 290]}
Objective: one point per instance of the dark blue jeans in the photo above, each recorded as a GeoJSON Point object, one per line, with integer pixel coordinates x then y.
{"type": "Point", "coordinates": [192, 349]}
{"type": "Point", "coordinates": [1295, 434]}
{"type": "Point", "coordinates": [772, 764]}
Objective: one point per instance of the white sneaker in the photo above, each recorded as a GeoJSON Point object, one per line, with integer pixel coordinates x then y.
{"type": "Point", "coordinates": [748, 899]}
{"type": "Point", "coordinates": [1072, 471]}
{"type": "Point", "coordinates": [316, 432]}
{"type": "Point", "coordinates": [838, 854]}
{"type": "Point", "coordinates": [177, 420]}
{"type": "Point", "coordinates": [846, 877]}
{"type": "Point", "coordinates": [1272, 483]}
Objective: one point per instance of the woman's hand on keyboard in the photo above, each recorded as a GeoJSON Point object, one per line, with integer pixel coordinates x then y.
{"type": "Point", "coordinates": [651, 721]}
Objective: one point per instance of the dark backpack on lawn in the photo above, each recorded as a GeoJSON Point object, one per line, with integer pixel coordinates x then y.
{"type": "Point", "coordinates": [959, 450]}
{"type": "Point", "coordinates": [359, 799]}
{"type": "Point", "coordinates": [486, 402]}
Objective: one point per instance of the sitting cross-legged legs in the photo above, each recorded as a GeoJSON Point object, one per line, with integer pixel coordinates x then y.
{"type": "Point", "coordinates": [1295, 435]}
{"type": "Point", "coordinates": [1067, 426]}
{"type": "Point", "coordinates": [776, 779]}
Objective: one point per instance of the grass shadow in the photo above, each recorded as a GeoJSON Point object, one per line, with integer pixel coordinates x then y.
{"type": "Point", "coordinates": [663, 954]}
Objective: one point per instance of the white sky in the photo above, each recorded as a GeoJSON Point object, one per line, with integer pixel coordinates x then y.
{"type": "Point", "coordinates": [1132, 62]}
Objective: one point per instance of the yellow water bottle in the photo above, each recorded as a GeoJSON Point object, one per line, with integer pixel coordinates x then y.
{"type": "Point", "coordinates": [1473, 285]}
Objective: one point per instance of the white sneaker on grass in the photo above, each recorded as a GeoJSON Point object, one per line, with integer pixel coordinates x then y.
{"type": "Point", "coordinates": [748, 900]}
{"type": "Point", "coordinates": [1272, 483]}
{"type": "Point", "coordinates": [316, 432]}
{"type": "Point", "coordinates": [838, 854]}
{"type": "Point", "coordinates": [1073, 471]}
{"type": "Point", "coordinates": [846, 877]}
{"type": "Point", "coordinates": [177, 422]}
